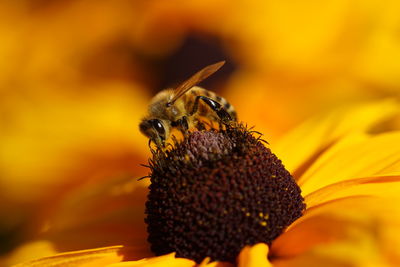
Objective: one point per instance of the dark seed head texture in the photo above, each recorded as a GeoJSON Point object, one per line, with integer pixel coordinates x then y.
{"type": "Point", "coordinates": [215, 192]}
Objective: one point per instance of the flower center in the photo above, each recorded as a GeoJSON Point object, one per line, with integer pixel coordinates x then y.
{"type": "Point", "coordinates": [216, 192]}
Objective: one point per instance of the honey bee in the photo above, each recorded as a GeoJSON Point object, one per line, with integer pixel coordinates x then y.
{"type": "Point", "coordinates": [182, 107]}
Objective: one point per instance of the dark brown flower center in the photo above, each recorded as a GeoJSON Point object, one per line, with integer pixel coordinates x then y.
{"type": "Point", "coordinates": [216, 192]}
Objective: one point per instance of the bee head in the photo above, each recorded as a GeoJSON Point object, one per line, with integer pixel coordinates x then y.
{"type": "Point", "coordinates": [154, 129]}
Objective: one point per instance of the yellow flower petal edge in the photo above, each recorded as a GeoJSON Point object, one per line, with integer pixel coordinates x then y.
{"type": "Point", "coordinates": [377, 155]}
{"type": "Point", "coordinates": [381, 186]}
{"type": "Point", "coordinates": [160, 261]}
{"type": "Point", "coordinates": [206, 263]}
{"type": "Point", "coordinates": [366, 227]}
{"type": "Point", "coordinates": [29, 251]}
{"type": "Point", "coordinates": [90, 257]}
{"type": "Point", "coordinates": [309, 139]}
{"type": "Point", "coordinates": [254, 256]}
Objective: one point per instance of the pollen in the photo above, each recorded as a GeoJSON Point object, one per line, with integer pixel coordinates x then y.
{"type": "Point", "coordinates": [215, 192]}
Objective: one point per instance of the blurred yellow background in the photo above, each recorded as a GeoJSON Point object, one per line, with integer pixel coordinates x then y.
{"type": "Point", "coordinates": [76, 77]}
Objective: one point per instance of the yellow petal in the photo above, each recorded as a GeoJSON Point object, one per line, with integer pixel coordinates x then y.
{"type": "Point", "coordinates": [206, 262]}
{"type": "Point", "coordinates": [28, 251]}
{"type": "Point", "coordinates": [381, 186]}
{"type": "Point", "coordinates": [302, 145]}
{"type": "Point", "coordinates": [91, 257]}
{"type": "Point", "coordinates": [378, 155]}
{"type": "Point", "coordinates": [254, 256]}
{"type": "Point", "coordinates": [359, 231]}
{"type": "Point", "coordinates": [160, 261]}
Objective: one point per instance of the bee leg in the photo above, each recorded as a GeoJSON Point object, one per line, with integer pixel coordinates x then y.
{"type": "Point", "coordinates": [169, 145]}
{"type": "Point", "coordinates": [200, 126]}
{"type": "Point", "coordinates": [182, 125]}
{"type": "Point", "coordinates": [220, 125]}
{"type": "Point", "coordinates": [159, 142]}
{"type": "Point", "coordinates": [153, 151]}
{"type": "Point", "coordinates": [214, 105]}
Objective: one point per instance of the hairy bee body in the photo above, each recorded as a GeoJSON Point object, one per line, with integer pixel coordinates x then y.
{"type": "Point", "coordinates": [183, 107]}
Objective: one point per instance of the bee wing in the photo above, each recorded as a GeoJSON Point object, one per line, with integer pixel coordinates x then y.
{"type": "Point", "coordinates": [195, 79]}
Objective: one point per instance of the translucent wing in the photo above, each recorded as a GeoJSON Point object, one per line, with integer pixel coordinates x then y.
{"type": "Point", "coordinates": [195, 79]}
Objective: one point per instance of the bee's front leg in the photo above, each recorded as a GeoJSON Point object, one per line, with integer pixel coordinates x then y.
{"type": "Point", "coordinates": [159, 142]}
{"type": "Point", "coordinates": [182, 125]}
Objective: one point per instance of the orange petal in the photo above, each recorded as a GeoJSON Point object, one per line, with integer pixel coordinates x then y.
{"type": "Point", "coordinates": [101, 214]}
{"type": "Point", "coordinates": [254, 256]}
{"type": "Point", "coordinates": [374, 156]}
{"type": "Point", "coordinates": [303, 144]}
{"type": "Point", "coordinates": [91, 257]}
{"type": "Point", "coordinates": [160, 261]}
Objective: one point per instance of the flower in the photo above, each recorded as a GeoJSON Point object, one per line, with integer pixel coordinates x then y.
{"type": "Point", "coordinates": [217, 191]}
{"type": "Point", "coordinates": [75, 83]}
{"type": "Point", "coordinates": [348, 170]}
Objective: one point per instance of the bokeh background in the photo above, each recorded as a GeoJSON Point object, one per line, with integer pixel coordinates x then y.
{"type": "Point", "coordinates": [76, 77]}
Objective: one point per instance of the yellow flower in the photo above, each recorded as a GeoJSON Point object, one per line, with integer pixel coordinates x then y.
{"type": "Point", "coordinates": [348, 169]}
{"type": "Point", "coordinates": [74, 78]}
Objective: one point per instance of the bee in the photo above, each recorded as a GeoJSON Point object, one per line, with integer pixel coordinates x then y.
{"type": "Point", "coordinates": [182, 108]}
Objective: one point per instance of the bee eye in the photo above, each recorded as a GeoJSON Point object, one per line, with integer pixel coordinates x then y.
{"type": "Point", "coordinates": [158, 126]}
